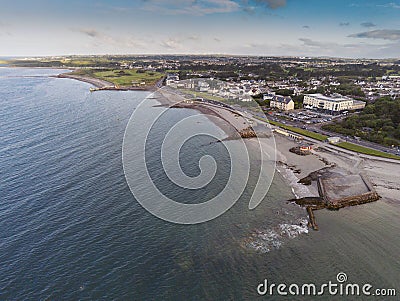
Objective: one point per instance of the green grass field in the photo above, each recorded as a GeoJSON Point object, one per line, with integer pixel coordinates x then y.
{"type": "Point", "coordinates": [78, 62]}
{"type": "Point", "coordinates": [365, 150]}
{"type": "Point", "coordinates": [129, 77]}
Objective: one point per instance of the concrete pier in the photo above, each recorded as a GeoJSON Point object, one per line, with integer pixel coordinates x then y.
{"type": "Point", "coordinates": [344, 191]}
{"type": "Point", "coordinates": [338, 192]}
{"type": "Point", "coordinates": [311, 216]}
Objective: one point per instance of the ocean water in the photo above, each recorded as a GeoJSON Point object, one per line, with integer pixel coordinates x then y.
{"type": "Point", "coordinates": [70, 229]}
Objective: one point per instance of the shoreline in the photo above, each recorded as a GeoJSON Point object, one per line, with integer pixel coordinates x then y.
{"type": "Point", "coordinates": [232, 123]}
{"type": "Point", "coordinates": [383, 176]}
{"type": "Point", "coordinates": [98, 83]}
{"type": "Point", "coordinates": [290, 166]}
{"type": "Point", "coordinates": [294, 168]}
{"type": "Point", "coordinates": [283, 166]}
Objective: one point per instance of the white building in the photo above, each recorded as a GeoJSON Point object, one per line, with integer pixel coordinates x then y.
{"type": "Point", "coordinates": [269, 96]}
{"type": "Point", "coordinates": [172, 79]}
{"type": "Point", "coordinates": [333, 140]}
{"type": "Point", "coordinates": [284, 103]}
{"type": "Point", "coordinates": [334, 104]}
{"type": "Point", "coordinates": [203, 86]}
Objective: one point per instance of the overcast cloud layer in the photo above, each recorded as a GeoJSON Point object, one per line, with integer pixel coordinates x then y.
{"type": "Point", "coordinates": [250, 27]}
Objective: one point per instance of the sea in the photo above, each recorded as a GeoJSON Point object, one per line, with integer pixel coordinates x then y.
{"type": "Point", "coordinates": [70, 228]}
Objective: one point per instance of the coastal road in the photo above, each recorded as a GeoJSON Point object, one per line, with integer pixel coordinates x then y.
{"type": "Point", "coordinates": [316, 129]}
{"type": "Point", "coordinates": [337, 149]}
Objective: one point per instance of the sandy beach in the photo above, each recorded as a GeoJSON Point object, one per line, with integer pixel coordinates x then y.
{"type": "Point", "coordinates": [103, 84]}
{"type": "Point", "coordinates": [231, 122]}
{"type": "Point", "coordinates": [98, 83]}
{"type": "Point", "coordinates": [383, 175]}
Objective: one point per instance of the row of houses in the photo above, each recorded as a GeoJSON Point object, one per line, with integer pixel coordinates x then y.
{"type": "Point", "coordinates": [387, 86]}
{"type": "Point", "coordinates": [242, 91]}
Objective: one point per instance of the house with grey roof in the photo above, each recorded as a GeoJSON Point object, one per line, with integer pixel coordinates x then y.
{"type": "Point", "coordinates": [284, 103]}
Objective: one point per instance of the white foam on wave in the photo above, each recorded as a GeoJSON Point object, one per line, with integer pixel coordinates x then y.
{"type": "Point", "coordinates": [298, 189]}
{"type": "Point", "coordinates": [265, 241]}
{"type": "Point", "coordinates": [292, 231]}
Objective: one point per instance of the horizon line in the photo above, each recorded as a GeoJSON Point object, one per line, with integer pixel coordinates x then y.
{"type": "Point", "coordinates": [198, 55]}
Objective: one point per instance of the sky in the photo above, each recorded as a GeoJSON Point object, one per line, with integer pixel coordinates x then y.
{"type": "Point", "coordinates": [340, 28]}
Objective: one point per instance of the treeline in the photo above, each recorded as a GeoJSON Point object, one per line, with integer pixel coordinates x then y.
{"type": "Point", "coordinates": [233, 71]}
{"type": "Point", "coordinates": [277, 71]}
{"type": "Point", "coordinates": [378, 122]}
{"type": "Point", "coordinates": [346, 89]}
{"type": "Point", "coordinates": [353, 70]}
{"type": "Point", "coordinates": [65, 64]}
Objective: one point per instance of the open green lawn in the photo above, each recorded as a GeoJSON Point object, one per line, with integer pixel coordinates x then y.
{"type": "Point", "coordinates": [129, 77]}
{"type": "Point", "coordinates": [78, 62]}
{"type": "Point", "coordinates": [365, 150]}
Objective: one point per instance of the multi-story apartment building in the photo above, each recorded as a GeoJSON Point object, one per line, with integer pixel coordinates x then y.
{"type": "Point", "coordinates": [331, 104]}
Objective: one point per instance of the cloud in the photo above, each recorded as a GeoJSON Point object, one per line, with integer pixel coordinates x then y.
{"type": "Point", "coordinates": [383, 34]}
{"type": "Point", "coordinates": [368, 24]}
{"type": "Point", "coordinates": [102, 39]}
{"type": "Point", "coordinates": [171, 43]}
{"type": "Point", "coordinates": [190, 7]}
{"type": "Point", "coordinates": [311, 47]}
{"type": "Point", "coordinates": [249, 9]}
{"type": "Point", "coordinates": [206, 7]}
{"type": "Point", "coordinates": [178, 42]}
{"type": "Point", "coordinates": [4, 29]}
{"type": "Point", "coordinates": [273, 3]}
{"type": "Point", "coordinates": [93, 33]}
{"type": "Point", "coordinates": [344, 23]}
{"type": "Point", "coordinates": [306, 27]}
{"type": "Point", "coordinates": [314, 44]}
{"type": "Point", "coordinates": [390, 5]}
{"type": "Point", "coordinates": [318, 44]}
{"type": "Point", "coordinates": [193, 38]}
{"type": "Point", "coordinates": [253, 45]}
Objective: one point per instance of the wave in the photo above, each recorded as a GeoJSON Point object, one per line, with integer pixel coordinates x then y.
{"type": "Point", "coordinates": [298, 189]}
{"type": "Point", "coordinates": [265, 241]}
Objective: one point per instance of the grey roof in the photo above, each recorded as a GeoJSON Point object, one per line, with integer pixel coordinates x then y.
{"type": "Point", "coordinates": [332, 98]}
{"type": "Point", "coordinates": [282, 99]}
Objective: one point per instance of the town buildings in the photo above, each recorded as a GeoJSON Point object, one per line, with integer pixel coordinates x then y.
{"type": "Point", "coordinates": [333, 104]}
{"type": "Point", "coordinates": [284, 103]}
